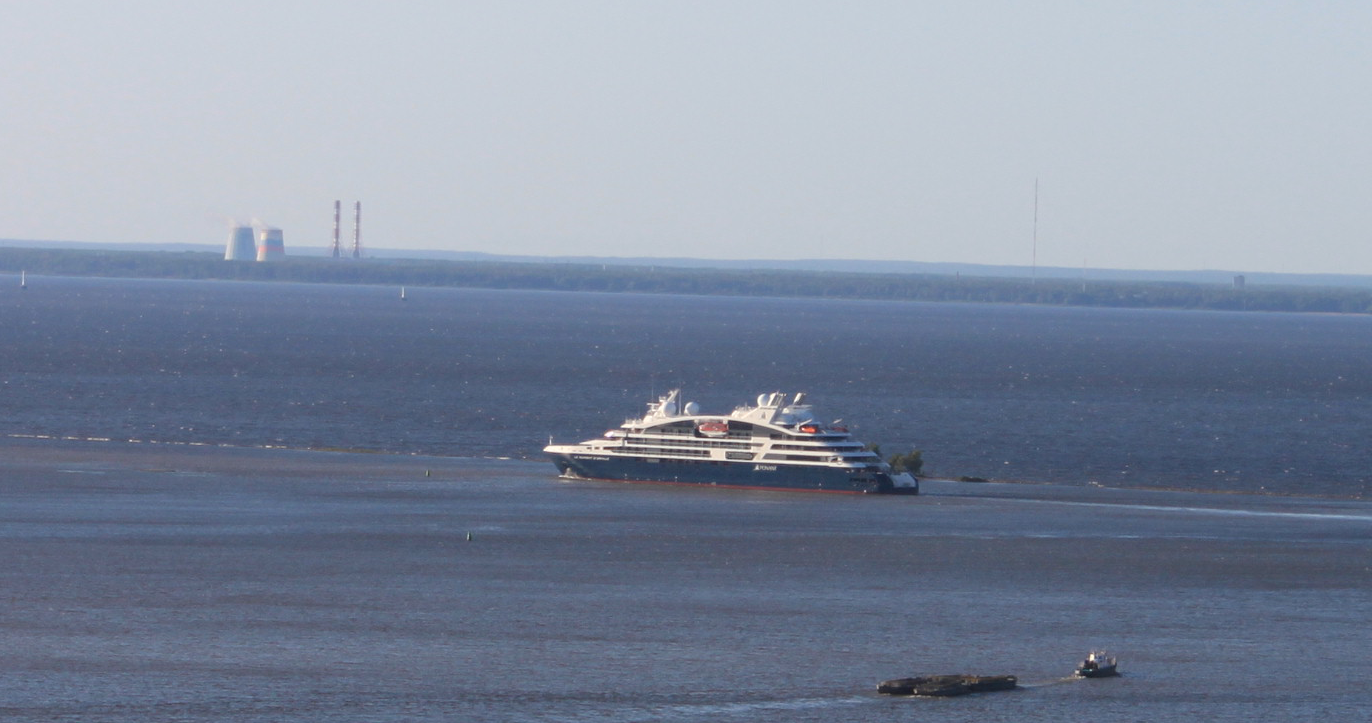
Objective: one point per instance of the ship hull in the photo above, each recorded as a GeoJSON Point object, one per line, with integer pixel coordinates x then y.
{"type": "Point", "coordinates": [1104, 671]}
{"type": "Point", "coordinates": [711, 473]}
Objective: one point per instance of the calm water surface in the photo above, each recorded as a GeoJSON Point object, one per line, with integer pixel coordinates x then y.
{"type": "Point", "coordinates": [205, 584]}
{"type": "Point", "coordinates": [1193, 400]}
{"type": "Point", "coordinates": [155, 580]}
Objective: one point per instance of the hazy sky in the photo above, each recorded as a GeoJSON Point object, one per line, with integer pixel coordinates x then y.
{"type": "Point", "coordinates": [1163, 135]}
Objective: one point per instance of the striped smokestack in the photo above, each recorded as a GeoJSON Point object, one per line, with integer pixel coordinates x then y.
{"type": "Point", "coordinates": [357, 230]}
{"type": "Point", "coordinates": [336, 251]}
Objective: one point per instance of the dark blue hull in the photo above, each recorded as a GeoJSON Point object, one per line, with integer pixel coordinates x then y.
{"type": "Point", "coordinates": [747, 475]}
{"type": "Point", "coordinates": [1104, 671]}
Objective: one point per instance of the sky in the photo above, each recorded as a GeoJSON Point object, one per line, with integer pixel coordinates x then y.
{"type": "Point", "coordinates": [1141, 135]}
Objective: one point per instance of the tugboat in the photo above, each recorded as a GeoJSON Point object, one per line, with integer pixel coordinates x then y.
{"type": "Point", "coordinates": [1098, 664]}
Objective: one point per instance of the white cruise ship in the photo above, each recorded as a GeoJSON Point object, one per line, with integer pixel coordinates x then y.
{"type": "Point", "coordinates": [777, 444]}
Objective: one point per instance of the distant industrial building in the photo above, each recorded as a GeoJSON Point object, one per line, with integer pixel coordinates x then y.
{"type": "Point", "coordinates": [241, 245]}
{"type": "Point", "coordinates": [336, 250]}
{"type": "Point", "coordinates": [270, 245]}
{"type": "Point", "coordinates": [263, 244]}
{"type": "Point", "coordinates": [357, 230]}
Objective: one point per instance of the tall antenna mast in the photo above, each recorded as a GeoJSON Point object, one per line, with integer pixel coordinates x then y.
{"type": "Point", "coordinates": [336, 250]}
{"type": "Point", "coordinates": [357, 230]}
{"type": "Point", "coordinates": [1034, 270]}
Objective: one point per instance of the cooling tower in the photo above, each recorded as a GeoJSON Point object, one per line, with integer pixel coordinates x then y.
{"type": "Point", "coordinates": [240, 247]}
{"type": "Point", "coordinates": [270, 245]}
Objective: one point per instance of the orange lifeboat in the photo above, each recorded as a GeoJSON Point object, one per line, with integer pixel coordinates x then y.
{"type": "Point", "coordinates": [713, 428]}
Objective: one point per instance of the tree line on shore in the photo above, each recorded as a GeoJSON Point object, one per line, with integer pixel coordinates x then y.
{"type": "Point", "coordinates": [695, 281]}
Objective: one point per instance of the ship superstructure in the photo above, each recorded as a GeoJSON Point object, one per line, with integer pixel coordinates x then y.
{"type": "Point", "coordinates": [776, 444]}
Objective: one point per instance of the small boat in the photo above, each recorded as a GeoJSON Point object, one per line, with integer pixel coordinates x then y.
{"type": "Point", "coordinates": [943, 686]}
{"type": "Point", "coordinates": [23, 279]}
{"type": "Point", "coordinates": [1098, 664]}
{"type": "Point", "coordinates": [402, 293]}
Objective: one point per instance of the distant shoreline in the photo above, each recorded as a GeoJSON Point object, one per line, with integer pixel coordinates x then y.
{"type": "Point", "coordinates": [1076, 274]}
{"type": "Point", "coordinates": [690, 281]}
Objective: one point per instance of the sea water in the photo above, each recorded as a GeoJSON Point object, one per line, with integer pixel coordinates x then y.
{"type": "Point", "coordinates": [158, 582]}
{"type": "Point", "coordinates": [1242, 402]}
{"type": "Point", "coordinates": [201, 565]}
